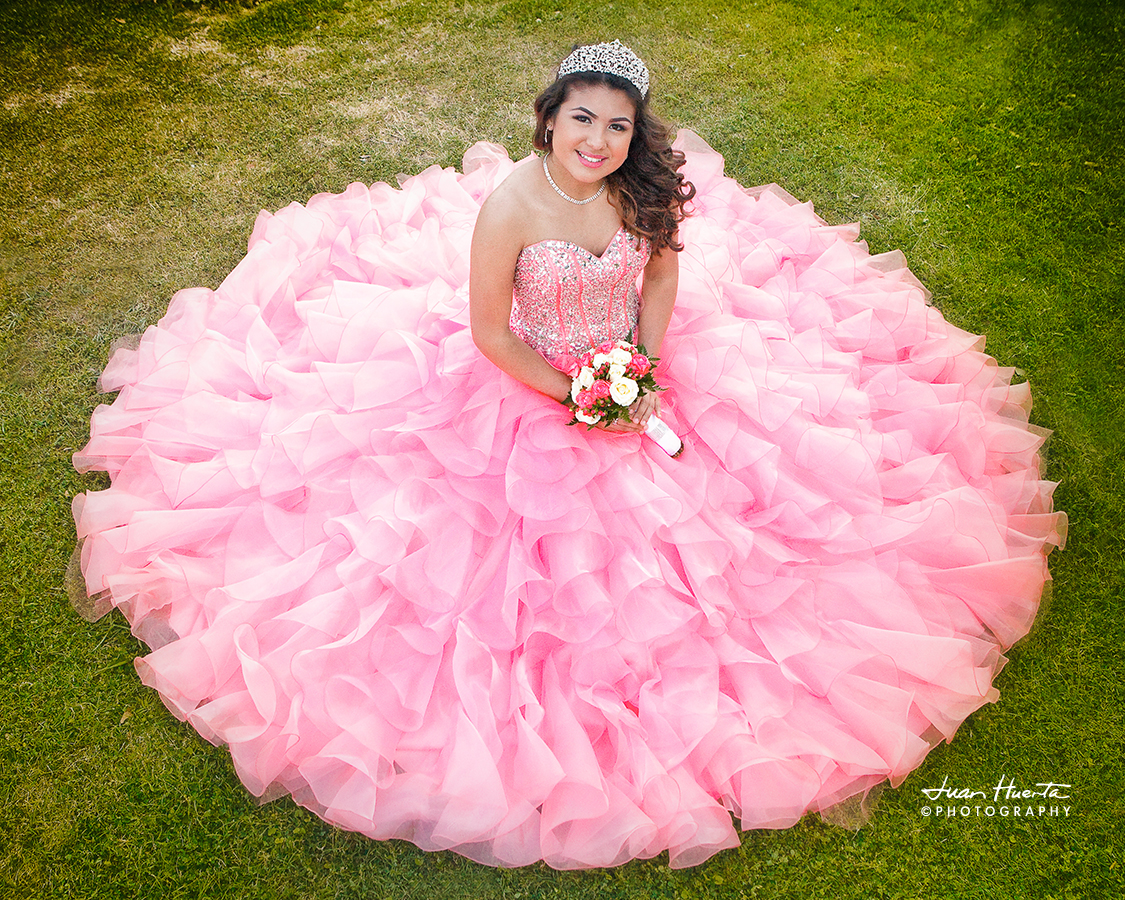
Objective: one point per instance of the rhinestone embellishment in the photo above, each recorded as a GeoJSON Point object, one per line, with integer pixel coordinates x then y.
{"type": "Point", "coordinates": [613, 59]}
{"type": "Point", "coordinates": [567, 300]}
{"type": "Point", "coordinates": [565, 196]}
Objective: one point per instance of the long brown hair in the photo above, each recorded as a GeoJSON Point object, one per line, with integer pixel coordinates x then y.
{"type": "Point", "coordinates": [648, 188]}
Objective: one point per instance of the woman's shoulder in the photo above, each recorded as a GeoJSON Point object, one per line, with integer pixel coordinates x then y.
{"type": "Point", "coordinates": [514, 206]}
{"type": "Point", "coordinates": [516, 193]}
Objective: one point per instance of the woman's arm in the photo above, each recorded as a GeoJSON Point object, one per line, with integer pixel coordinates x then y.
{"type": "Point", "coordinates": [497, 242]}
{"type": "Point", "coordinates": [658, 290]}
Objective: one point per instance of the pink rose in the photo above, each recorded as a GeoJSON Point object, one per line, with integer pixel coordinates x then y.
{"type": "Point", "coordinates": [639, 364]}
{"type": "Point", "coordinates": [605, 347]}
{"type": "Point", "coordinates": [600, 390]}
{"type": "Point", "coordinates": [564, 362]}
{"type": "Point", "coordinates": [585, 400]}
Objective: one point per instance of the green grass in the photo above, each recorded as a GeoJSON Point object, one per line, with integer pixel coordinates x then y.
{"type": "Point", "coordinates": [139, 139]}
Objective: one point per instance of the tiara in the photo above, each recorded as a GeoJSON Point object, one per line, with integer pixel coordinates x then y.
{"type": "Point", "coordinates": [612, 59]}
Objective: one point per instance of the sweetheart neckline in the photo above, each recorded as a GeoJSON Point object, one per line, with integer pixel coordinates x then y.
{"type": "Point", "coordinates": [577, 246]}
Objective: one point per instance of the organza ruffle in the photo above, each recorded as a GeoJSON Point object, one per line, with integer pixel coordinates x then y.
{"type": "Point", "coordinates": [394, 583]}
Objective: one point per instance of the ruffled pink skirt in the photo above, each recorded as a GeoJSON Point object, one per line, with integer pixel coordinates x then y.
{"type": "Point", "coordinates": [397, 586]}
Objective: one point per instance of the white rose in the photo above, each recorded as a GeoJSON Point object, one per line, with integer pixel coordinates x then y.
{"type": "Point", "coordinates": [616, 371]}
{"type": "Point", "coordinates": [575, 387]}
{"type": "Point", "coordinates": [600, 359]}
{"type": "Point", "coordinates": [623, 391]}
{"type": "Point", "coordinates": [586, 378]}
{"type": "Point", "coordinates": [582, 417]}
{"type": "Point", "coordinates": [620, 357]}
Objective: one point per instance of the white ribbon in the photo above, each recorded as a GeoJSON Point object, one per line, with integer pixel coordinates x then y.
{"type": "Point", "coordinates": [664, 436]}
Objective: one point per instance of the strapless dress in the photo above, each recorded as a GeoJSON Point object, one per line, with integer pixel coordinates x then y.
{"type": "Point", "coordinates": [398, 587]}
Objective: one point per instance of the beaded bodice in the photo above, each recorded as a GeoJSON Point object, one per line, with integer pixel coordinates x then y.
{"type": "Point", "coordinates": [567, 300]}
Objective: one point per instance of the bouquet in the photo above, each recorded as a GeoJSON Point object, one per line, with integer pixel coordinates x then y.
{"type": "Point", "coordinates": [610, 378]}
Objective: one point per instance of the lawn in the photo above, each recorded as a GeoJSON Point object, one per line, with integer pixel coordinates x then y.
{"type": "Point", "coordinates": [139, 139]}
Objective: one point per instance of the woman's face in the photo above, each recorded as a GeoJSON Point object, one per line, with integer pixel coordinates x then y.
{"type": "Point", "coordinates": [591, 131]}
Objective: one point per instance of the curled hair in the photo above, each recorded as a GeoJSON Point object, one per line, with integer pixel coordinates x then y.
{"type": "Point", "coordinates": [648, 188]}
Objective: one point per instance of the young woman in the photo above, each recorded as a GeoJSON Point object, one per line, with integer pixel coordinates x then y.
{"type": "Point", "coordinates": [372, 558]}
{"type": "Point", "coordinates": [597, 133]}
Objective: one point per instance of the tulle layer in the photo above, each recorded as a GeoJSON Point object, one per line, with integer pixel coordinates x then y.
{"type": "Point", "coordinates": [395, 584]}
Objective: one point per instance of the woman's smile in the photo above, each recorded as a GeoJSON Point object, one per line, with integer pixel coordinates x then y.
{"type": "Point", "coordinates": [590, 137]}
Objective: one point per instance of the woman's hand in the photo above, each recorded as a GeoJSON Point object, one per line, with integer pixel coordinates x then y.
{"type": "Point", "coordinates": [647, 405]}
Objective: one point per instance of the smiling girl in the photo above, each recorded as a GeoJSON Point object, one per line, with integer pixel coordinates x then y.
{"type": "Point", "coordinates": [348, 514]}
{"type": "Point", "coordinates": [608, 171]}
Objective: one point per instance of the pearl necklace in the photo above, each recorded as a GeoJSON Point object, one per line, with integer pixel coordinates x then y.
{"type": "Point", "coordinates": [567, 197]}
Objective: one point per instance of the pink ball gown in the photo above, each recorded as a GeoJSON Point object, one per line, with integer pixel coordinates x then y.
{"type": "Point", "coordinates": [395, 584]}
